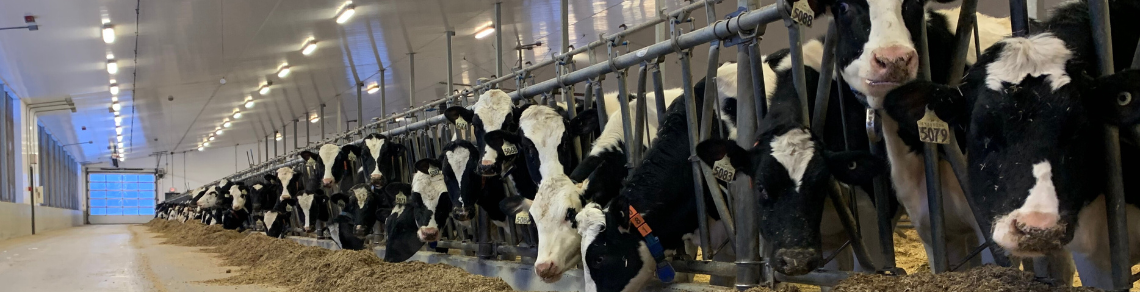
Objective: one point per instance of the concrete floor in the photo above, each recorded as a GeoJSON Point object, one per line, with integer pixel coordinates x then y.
{"type": "Point", "coordinates": [108, 258]}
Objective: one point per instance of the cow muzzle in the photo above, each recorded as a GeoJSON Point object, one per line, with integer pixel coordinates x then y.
{"type": "Point", "coordinates": [327, 182]}
{"type": "Point", "coordinates": [429, 234]}
{"type": "Point", "coordinates": [548, 271]}
{"type": "Point", "coordinates": [462, 214]}
{"type": "Point", "coordinates": [487, 168]}
{"type": "Point", "coordinates": [1030, 233]}
{"type": "Point", "coordinates": [796, 261]}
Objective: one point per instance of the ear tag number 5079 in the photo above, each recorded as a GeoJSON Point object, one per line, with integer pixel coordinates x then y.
{"type": "Point", "coordinates": [931, 129]}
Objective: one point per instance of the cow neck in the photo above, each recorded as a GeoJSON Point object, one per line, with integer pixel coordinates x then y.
{"type": "Point", "coordinates": [665, 271]}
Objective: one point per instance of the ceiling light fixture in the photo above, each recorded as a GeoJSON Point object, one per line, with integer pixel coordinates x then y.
{"type": "Point", "coordinates": [116, 114]}
{"type": "Point", "coordinates": [346, 12]}
{"type": "Point", "coordinates": [309, 47]}
{"type": "Point", "coordinates": [264, 90]}
{"type": "Point", "coordinates": [118, 130]}
{"type": "Point", "coordinates": [118, 119]}
{"type": "Point", "coordinates": [114, 99]}
{"type": "Point", "coordinates": [277, 136]}
{"type": "Point", "coordinates": [211, 138]}
{"type": "Point", "coordinates": [121, 146]}
{"type": "Point", "coordinates": [219, 132]}
{"type": "Point", "coordinates": [108, 33]}
{"type": "Point", "coordinates": [227, 124]}
{"type": "Point", "coordinates": [283, 71]}
{"type": "Point", "coordinates": [486, 31]}
{"type": "Point", "coordinates": [373, 88]}
{"type": "Point", "coordinates": [237, 114]}
{"type": "Point", "coordinates": [116, 106]}
{"type": "Point", "coordinates": [200, 148]}
{"type": "Point", "coordinates": [207, 144]}
{"type": "Point", "coordinates": [314, 118]}
{"type": "Point", "coordinates": [118, 122]}
{"type": "Point", "coordinates": [249, 102]}
{"type": "Point", "coordinates": [119, 138]}
{"type": "Point", "coordinates": [112, 66]}
{"type": "Point", "coordinates": [114, 88]}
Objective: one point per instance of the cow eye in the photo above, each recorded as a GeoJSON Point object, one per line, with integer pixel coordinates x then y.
{"type": "Point", "coordinates": [1124, 98]}
{"type": "Point", "coordinates": [843, 8]}
{"type": "Point", "coordinates": [852, 165]}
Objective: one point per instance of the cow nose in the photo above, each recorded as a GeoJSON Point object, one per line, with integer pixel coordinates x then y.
{"type": "Point", "coordinates": [429, 233]}
{"type": "Point", "coordinates": [796, 261]}
{"type": "Point", "coordinates": [459, 214]}
{"type": "Point", "coordinates": [546, 270]}
{"type": "Point", "coordinates": [487, 162]}
{"type": "Point", "coordinates": [1036, 220]}
{"type": "Point", "coordinates": [894, 63]}
{"type": "Point", "coordinates": [376, 176]}
{"type": "Point", "coordinates": [327, 181]}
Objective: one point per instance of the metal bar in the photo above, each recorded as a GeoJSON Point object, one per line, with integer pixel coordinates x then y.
{"type": "Point", "coordinates": [499, 39]}
{"type": "Point", "coordinates": [934, 202]}
{"type": "Point", "coordinates": [383, 99]}
{"type": "Point", "coordinates": [412, 80]}
{"type": "Point", "coordinates": [659, 90]}
{"type": "Point", "coordinates": [966, 22]}
{"type": "Point", "coordinates": [1114, 198]}
{"type": "Point", "coordinates": [1019, 17]}
{"type": "Point", "coordinates": [486, 249]}
{"type": "Point", "coordinates": [747, 232]}
{"type": "Point", "coordinates": [295, 134]}
{"type": "Point", "coordinates": [705, 267]}
{"type": "Point", "coordinates": [623, 105]}
{"type": "Point", "coordinates": [599, 101]}
{"type": "Point", "coordinates": [795, 43]}
{"type": "Point", "coordinates": [639, 119]}
{"type": "Point", "coordinates": [823, 88]}
{"type": "Point", "coordinates": [848, 222]}
{"type": "Point", "coordinates": [323, 122]}
{"type": "Point", "coordinates": [691, 119]}
{"type": "Point", "coordinates": [882, 193]}
{"type": "Point", "coordinates": [977, 250]}
{"type": "Point", "coordinates": [450, 64]}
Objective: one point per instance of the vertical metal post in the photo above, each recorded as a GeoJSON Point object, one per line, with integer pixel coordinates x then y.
{"type": "Point", "coordinates": [623, 104]}
{"type": "Point", "coordinates": [933, 179]}
{"type": "Point", "coordinates": [499, 39]}
{"type": "Point", "coordinates": [323, 121]}
{"type": "Point", "coordinates": [823, 88]}
{"type": "Point", "coordinates": [412, 79]}
{"type": "Point", "coordinates": [749, 270]}
{"type": "Point", "coordinates": [659, 91]}
{"type": "Point", "coordinates": [359, 106]}
{"type": "Point", "coordinates": [1019, 17]}
{"type": "Point", "coordinates": [285, 138]}
{"type": "Point", "coordinates": [966, 23]}
{"type": "Point", "coordinates": [309, 132]}
{"type": "Point", "coordinates": [383, 95]}
{"type": "Point", "coordinates": [275, 132]}
{"type": "Point", "coordinates": [565, 7]}
{"type": "Point", "coordinates": [694, 139]}
{"type": "Point", "coordinates": [1114, 198]}
{"type": "Point", "coordinates": [795, 42]}
{"type": "Point", "coordinates": [639, 112]}
{"type": "Point", "coordinates": [295, 134]}
{"type": "Point", "coordinates": [599, 101]}
{"type": "Point", "coordinates": [450, 66]}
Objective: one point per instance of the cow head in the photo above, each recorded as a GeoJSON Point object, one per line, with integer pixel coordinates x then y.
{"type": "Point", "coordinates": [380, 159]}
{"type": "Point", "coordinates": [494, 112]}
{"type": "Point", "coordinates": [428, 186]}
{"type": "Point", "coordinates": [326, 161]}
{"type": "Point", "coordinates": [400, 227]}
{"type": "Point", "coordinates": [464, 185]}
{"type": "Point", "coordinates": [311, 171]}
{"type": "Point", "coordinates": [875, 51]}
{"type": "Point", "coordinates": [290, 182]}
{"type": "Point", "coordinates": [558, 199]}
{"type": "Point", "coordinates": [792, 175]}
{"type": "Point", "coordinates": [614, 257]}
{"type": "Point", "coordinates": [240, 194]}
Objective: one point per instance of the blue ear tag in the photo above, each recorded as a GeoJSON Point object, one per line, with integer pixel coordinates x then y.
{"type": "Point", "coordinates": [665, 272]}
{"type": "Point", "coordinates": [432, 244]}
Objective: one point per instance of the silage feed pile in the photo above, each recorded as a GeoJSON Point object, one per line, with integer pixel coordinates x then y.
{"type": "Point", "coordinates": [280, 262]}
{"type": "Point", "coordinates": [985, 278]}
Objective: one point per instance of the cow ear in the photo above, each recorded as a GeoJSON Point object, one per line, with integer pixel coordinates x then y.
{"type": "Point", "coordinates": [424, 165]}
{"type": "Point", "coordinates": [1116, 98]}
{"type": "Point", "coordinates": [306, 155]}
{"type": "Point", "coordinates": [456, 112]}
{"type": "Point", "coordinates": [712, 150]}
{"type": "Point", "coordinates": [585, 122]}
{"type": "Point", "coordinates": [351, 148]}
{"type": "Point", "coordinates": [854, 167]}
{"type": "Point", "coordinates": [514, 205]}
{"type": "Point", "coordinates": [397, 188]}
{"type": "Point", "coordinates": [495, 138]}
{"type": "Point", "coordinates": [908, 103]}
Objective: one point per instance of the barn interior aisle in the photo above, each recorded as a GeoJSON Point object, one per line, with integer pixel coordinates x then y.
{"type": "Point", "coordinates": [124, 258]}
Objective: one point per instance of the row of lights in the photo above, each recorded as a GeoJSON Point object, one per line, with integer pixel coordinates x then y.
{"type": "Point", "coordinates": [108, 32]}
{"type": "Point", "coordinates": [344, 13]}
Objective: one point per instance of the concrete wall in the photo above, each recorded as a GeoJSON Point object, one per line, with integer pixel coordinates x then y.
{"type": "Point", "coordinates": [15, 219]}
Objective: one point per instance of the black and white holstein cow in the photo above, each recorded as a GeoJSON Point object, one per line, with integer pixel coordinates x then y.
{"type": "Point", "coordinates": [314, 200]}
{"type": "Point", "coordinates": [1036, 141]}
{"type": "Point", "coordinates": [379, 167]}
{"type": "Point", "coordinates": [278, 220]}
{"type": "Point", "coordinates": [421, 215]}
{"type": "Point", "coordinates": [238, 215]}
{"type": "Point", "coordinates": [875, 53]}
{"type": "Point", "coordinates": [467, 188]}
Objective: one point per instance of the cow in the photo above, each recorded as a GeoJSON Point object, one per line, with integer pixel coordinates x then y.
{"type": "Point", "coordinates": [341, 227]}
{"type": "Point", "coordinates": [421, 214]}
{"type": "Point", "coordinates": [400, 227]}
{"type": "Point", "coordinates": [239, 213]}
{"type": "Point", "coordinates": [494, 119]}
{"type": "Point", "coordinates": [346, 169]}
{"type": "Point", "coordinates": [313, 198]}
{"type": "Point", "coordinates": [380, 159]}
{"type": "Point", "coordinates": [466, 187]}
{"type": "Point", "coordinates": [1034, 117]}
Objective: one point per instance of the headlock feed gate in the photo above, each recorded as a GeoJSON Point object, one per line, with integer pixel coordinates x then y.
{"type": "Point", "coordinates": [425, 130]}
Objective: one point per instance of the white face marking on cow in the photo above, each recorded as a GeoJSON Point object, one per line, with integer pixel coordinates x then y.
{"type": "Point", "coordinates": [887, 30]}
{"type": "Point", "coordinates": [544, 126]}
{"type": "Point", "coordinates": [1039, 210]}
{"type": "Point", "coordinates": [1042, 54]}
{"type": "Point", "coordinates": [239, 200]}
{"type": "Point", "coordinates": [285, 174]}
{"type": "Point", "coordinates": [492, 108]}
{"type": "Point", "coordinates": [457, 158]}
{"type": "Point", "coordinates": [374, 146]}
{"type": "Point", "coordinates": [361, 196]}
{"type": "Point", "coordinates": [430, 188]}
{"type": "Point", "coordinates": [591, 222]}
{"type": "Point", "coordinates": [258, 187]}
{"type": "Point", "coordinates": [306, 201]}
{"type": "Point", "coordinates": [794, 150]}
{"type": "Point", "coordinates": [328, 154]}
{"type": "Point", "coordinates": [270, 217]}
{"type": "Point", "coordinates": [489, 154]}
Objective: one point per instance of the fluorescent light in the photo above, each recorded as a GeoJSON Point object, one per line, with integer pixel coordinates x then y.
{"type": "Point", "coordinates": [108, 33]}
{"type": "Point", "coordinates": [116, 106]}
{"type": "Point", "coordinates": [118, 120]}
{"type": "Point", "coordinates": [116, 114]}
{"type": "Point", "coordinates": [112, 66]}
{"type": "Point", "coordinates": [114, 88]}
{"type": "Point", "coordinates": [248, 102]}
{"type": "Point", "coordinates": [120, 145]}
{"type": "Point", "coordinates": [119, 138]}
{"type": "Point", "coordinates": [284, 71]}
{"type": "Point", "coordinates": [314, 118]}
{"type": "Point", "coordinates": [118, 130]}
{"type": "Point", "coordinates": [219, 132]}
{"type": "Point", "coordinates": [211, 138]}
{"type": "Point", "coordinates": [277, 137]}
{"type": "Point", "coordinates": [114, 99]}
{"type": "Point", "coordinates": [200, 148]}
{"type": "Point", "coordinates": [264, 89]}
{"type": "Point", "coordinates": [227, 124]}
{"type": "Point", "coordinates": [207, 144]}
{"type": "Point", "coordinates": [486, 31]}
{"type": "Point", "coordinates": [237, 115]}
{"type": "Point", "coordinates": [373, 88]}
{"type": "Point", "coordinates": [346, 13]}
{"type": "Point", "coordinates": [309, 47]}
